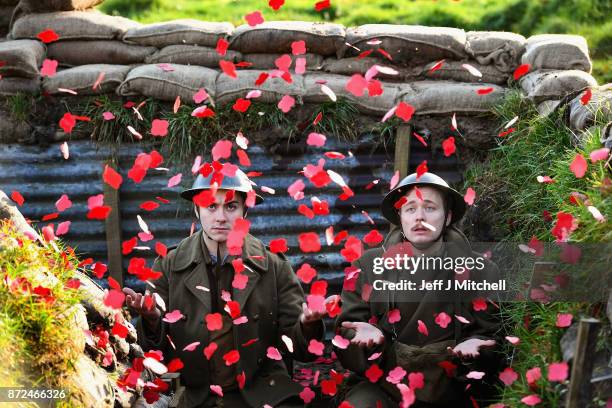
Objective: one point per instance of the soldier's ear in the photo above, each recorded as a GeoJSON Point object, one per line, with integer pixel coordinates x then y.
{"type": "Point", "coordinates": [449, 217]}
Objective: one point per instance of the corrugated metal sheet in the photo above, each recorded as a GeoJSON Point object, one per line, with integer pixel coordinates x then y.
{"type": "Point", "coordinates": [42, 175]}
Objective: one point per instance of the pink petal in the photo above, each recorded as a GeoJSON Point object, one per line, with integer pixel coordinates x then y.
{"type": "Point", "coordinates": [599, 154]}
{"type": "Point", "coordinates": [531, 400]}
{"type": "Point", "coordinates": [340, 342]}
{"type": "Point", "coordinates": [564, 319]}
{"type": "Point", "coordinates": [513, 340]}
{"type": "Point", "coordinates": [558, 371]}
{"type": "Point", "coordinates": [191, 346]}
{"type": "Point", "coordinates": [316, 139]}
{"type": "Point", "coordinates": [62, 228]}
{"type": "Point", "coordinates": [173, 316]}
{"type": "Point", "coordinates": [254, 19]}
{"type": "Point", "coordinates": [475, 375]}
{"type": "Point", "coordinates": [65, 150]}
{"type": "Point", "coordinates": [274, 354]}
{"type": "Point", "coordinates": [200, 96]}
{"type": "Point", "coordinates": [175, 180]}
{"type": "Point", "coordinates": [286, 103]}
{"type": "Point", "coordinates": [394, 316]}
{"type": "Point", "coordinates": [469, 196]}
{"type": "Point", "coordinates": [49, 68]}
{"type": "Point", "coordinates": [251, 95]}
{"type": "Point", "coordinates": [108, 115]}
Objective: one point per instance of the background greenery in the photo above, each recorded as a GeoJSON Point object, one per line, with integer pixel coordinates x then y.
{"type": "Point", "coordinates": [589, 18]}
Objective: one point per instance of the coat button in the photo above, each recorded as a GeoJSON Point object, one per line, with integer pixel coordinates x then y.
{"type": "Point", "coordinates": [259, 360]}
{"type": "Point", "coordinates": [256, 316]}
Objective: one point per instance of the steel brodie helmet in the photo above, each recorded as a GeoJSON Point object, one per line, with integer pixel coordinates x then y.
{"type": "Point", "coordinates": [454, 199]}
{"type": "Point", "coordinates": [239, 182]}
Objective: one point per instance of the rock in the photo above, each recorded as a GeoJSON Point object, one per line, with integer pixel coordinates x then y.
{"type": "Point", "coordinates": [121, 346]}
{"type": "Point", "coordinates": [97, 311]}
{"type": "Point", "coordinates": [132, 336]}
{"type": "Point", "coordinates": [124, 398]}
{"type": "Point", "coordinates": [9, 211]}
{"type": "Point", "coordinates": [135, 351]}
{"type": "Point", "coordinates": [95, 389]}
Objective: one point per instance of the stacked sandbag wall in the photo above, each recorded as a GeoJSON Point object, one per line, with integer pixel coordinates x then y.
{"type": "Point", "coordinates": [438, 70]}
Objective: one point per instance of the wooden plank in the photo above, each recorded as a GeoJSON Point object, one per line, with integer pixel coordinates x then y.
{"type": "Point", "coordinates": [402, 150]}
{"type": "Point", "coordinates": [113, 234]}
{"type": "Point", "coordinates": [579, 393]}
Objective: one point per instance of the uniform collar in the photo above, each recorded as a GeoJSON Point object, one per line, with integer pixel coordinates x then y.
{"type": "Point", "coordinates": [190, 251]}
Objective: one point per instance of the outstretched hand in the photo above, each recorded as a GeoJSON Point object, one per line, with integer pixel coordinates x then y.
{"type": "Point", "coordinates": [311, 316]}
{"type": "Point", "coordinates": [470, 348]}
{"type": "Point", "coordinates": [136, 302]}
{"type": "Point", "coordinates": [366, 335]}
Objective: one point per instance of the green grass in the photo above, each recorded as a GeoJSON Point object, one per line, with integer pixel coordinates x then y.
{"type": "Point", "coordinates": [20, 105]}
{"type": "Point", "coordinates": [540, 147]}
{"type": "Point", "coordinates": [189, 136]}
{"type": "Point", "coordinates": [38, 342]}
{"type": "Point", "coordinates": [511, 196]}
{"type": "Point", "coordinates": [589, 18]}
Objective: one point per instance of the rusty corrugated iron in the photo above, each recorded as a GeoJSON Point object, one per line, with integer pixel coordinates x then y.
{"type": "Point", "coordinates": [42, 176]}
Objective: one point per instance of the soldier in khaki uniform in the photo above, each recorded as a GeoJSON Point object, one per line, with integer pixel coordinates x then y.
{"type": "Point", "coordinates": [197, 281]}
{"type": "Point", "coordinates": [424, 209]}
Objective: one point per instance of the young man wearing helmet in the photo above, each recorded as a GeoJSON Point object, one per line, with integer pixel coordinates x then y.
{"type": "Point", "coordinates": [436, 334]}
{"type": "Point", "coordinates": [234, 323]}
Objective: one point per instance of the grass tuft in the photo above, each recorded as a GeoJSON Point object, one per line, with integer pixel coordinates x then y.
{"type": "Point", "coordinates": [39, 343]}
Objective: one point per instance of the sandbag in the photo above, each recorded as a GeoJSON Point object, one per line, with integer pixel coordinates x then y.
{"type": "Point", "coordinates": [450, 70]}
{"type": "Point", "coordinates": [82, 79]}
{"type": "Point", "coordinates": [14, 86]}
{"type": "Point", "coordinates": [272, 90]}
{"type": "Point", "coordinates": [544, 85]}
{"type": "Point", "coordinates": [21, 58]}
{"type": "Point", "coordinates": [455, 71]}
{"type": "Point", "coordinates": [354, 65]}
{"type": "Point", "coordinates": [73, 25]}
{"type": "Point", "coordinates": [557, 51]}
{"type": "Point", "coordinates": [155, 82]}
{"type": "Point", "coordinates": [275, 37]}
{"type": "Point", "coordinates": [370, 105]}
{"type": "Point", "coordinates": [583, 116]}
{"type": "Point", "coordinates": [547, 107]}
{"type": "Point", "coordinates": [443, 97]}
{"type": "Point", "coordinates": [267, 61]}
{"type": "Point", "coordinates": [411, 44]}
{"type": "Point", "coordinates": [72, 53]}
{"type": "Point", "coordinates": [186, 32]}
{"type": "Point", "coordinates": [499, 48]}
{"type": "Point", "coordinates": [192, 55]}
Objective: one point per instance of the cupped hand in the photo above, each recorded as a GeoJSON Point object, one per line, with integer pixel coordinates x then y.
{"type": "Point", "coordinates": [366, 335]}
{"type": "Point", "coordinates": [470, 348]}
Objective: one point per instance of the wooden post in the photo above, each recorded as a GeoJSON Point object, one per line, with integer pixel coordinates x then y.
{"type": "Point", "coordinates": [402, 150]}
{"type": "Point", "coordinates": [113, 233]}
{"type": "Point", "coordinates": [579, 393]}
